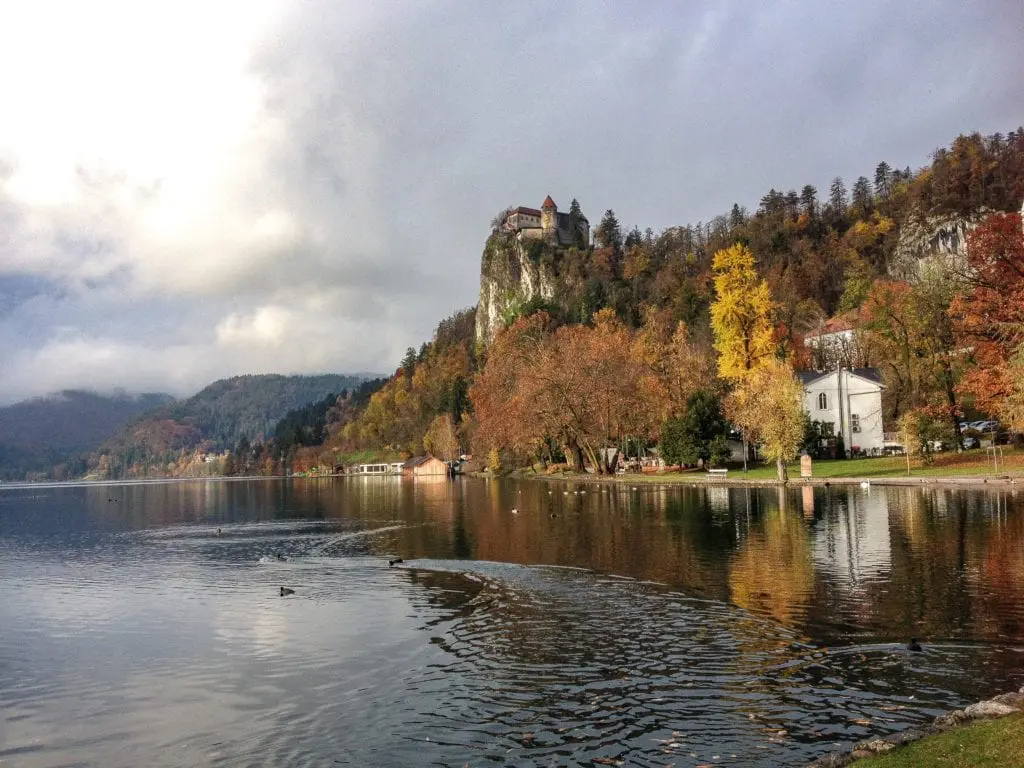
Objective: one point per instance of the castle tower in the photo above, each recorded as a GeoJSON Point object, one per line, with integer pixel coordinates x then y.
{"type": "Point", "coordinates": [549, 218]}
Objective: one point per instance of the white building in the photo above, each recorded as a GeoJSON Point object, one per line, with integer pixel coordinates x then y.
{"type": "Point", "coordinates": [850, 403]}
{"type": "Point", "coordinates": [835, 343]}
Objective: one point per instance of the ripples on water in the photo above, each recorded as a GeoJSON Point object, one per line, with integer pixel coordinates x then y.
{"type": "Point", "coordinates": [700, 628]}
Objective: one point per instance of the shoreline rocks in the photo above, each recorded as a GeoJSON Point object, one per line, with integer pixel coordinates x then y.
{"type": "Point", "coordinates": [998, 706]}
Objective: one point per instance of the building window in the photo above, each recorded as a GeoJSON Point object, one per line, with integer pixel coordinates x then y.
{"type": "Point", "coordinates": [854, 422]}
{"type": "Point", "coordinates": [822, 402]}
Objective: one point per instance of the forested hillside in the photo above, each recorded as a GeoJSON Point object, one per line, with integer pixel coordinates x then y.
{"type": "Point", "coordinates": [52, 435]}
{"type": "Point", "coordinates": [628, 336]}
{"type": "Point", "coordinates": [166, 440]}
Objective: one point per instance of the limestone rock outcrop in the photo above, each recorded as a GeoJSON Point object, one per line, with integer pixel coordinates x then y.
{"type": "Point", "coordinates": [924, 238]}
{"type": "Point", "coordinates": [513, 272]}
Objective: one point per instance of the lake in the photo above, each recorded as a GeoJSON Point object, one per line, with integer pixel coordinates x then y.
{"type": "Point", "coordinates": [595, 625]}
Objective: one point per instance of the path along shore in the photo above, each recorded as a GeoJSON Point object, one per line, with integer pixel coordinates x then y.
{"type": "Point", "coordinates": [736, 478]}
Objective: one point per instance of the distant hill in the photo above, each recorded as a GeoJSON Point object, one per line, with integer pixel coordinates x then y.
{"type": "Point", "coordinates": [213, 420]}
{"type": "Point", "coordinates": [39, 434]}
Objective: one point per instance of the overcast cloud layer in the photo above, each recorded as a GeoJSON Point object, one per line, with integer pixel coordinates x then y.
{"type": "Point", "coordinates": [193, 190]}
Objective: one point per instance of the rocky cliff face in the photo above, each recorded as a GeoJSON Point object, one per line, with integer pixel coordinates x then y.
{"type": "Point", "coordinates": [931, 237]}
{"type": "Point", "coordinates": [512, 273]}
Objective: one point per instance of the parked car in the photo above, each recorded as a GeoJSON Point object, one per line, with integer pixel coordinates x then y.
{"type": "Point", "coordinates": [971, 442]}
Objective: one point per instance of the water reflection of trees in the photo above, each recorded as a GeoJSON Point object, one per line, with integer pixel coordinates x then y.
{"type": "Point", "coordinates": [772, 570]}
{"type": "Point", "coordinates": [833, 563]}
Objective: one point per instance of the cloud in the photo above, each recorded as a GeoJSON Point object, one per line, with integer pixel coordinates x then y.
{"type": "Point", "coordinates": [191, 191]}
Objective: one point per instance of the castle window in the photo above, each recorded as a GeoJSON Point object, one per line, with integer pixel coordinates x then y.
{"type": "Point", "coordinates": [822, 402]}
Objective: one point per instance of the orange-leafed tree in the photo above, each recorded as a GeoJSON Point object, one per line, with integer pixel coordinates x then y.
{"type": "Point", "coordinates": [671, 368]}
{"type": "Point", "coordinates": [508, 405]}
{"type": "Point", "coordinates": [591, 386]}
{"type": "Point", "coordinates": [577, 387]}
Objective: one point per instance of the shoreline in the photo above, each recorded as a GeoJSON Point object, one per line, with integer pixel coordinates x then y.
{"type": "Point", "coordinates": [693, 479]}
{"type": "Point", "coordinates": [702, 479]}
{"type": "Point", "coordinates": [994, 708]}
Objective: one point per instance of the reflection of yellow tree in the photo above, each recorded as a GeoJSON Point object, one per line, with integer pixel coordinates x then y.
{"type": "Point", "coordinates": [1002, 569]}
{"type": "Point", "coordinates": [774, 571]}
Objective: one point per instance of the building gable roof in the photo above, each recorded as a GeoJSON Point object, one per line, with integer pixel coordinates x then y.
{"type": "Point", "coordinates": [548, 203]}
{"type": "Point", "coordinates": [529, 211]}
{"type": "Point", "coordinates": [806, 377]}
{"type": "Point", "coordinates": [869, 374]}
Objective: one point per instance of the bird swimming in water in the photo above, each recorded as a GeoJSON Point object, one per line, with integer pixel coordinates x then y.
{"type": "Point", "coordinates": [396, 561]}
{"type": "Point", "coordinates": [281, 557]}
{"type": "Point", "coordinates": [285, 591]}
{"type": "Point", "coordinates": [515, 511]}
{"type": "Point", "coordinates": [218, 531]}
{"type": "Point", "coordinates": [915, 646]}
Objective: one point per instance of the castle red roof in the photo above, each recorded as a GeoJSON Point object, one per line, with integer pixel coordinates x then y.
{"type": "Point", "coordinates": [530, 211]}
{"type": "Point", "coordinates": [549, 203]}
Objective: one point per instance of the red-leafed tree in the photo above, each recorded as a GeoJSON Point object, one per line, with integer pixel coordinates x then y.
{"type": "Point", "coordinates": [990, 315]}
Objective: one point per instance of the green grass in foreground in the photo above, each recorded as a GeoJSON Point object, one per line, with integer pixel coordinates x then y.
{"type": "Point", "coordinates": [992, 743]}
{"type": "Point", "coordinates": [970, 463]}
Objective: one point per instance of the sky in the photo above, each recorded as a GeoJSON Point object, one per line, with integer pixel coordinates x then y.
{"type": "Point", "coordinates": [191, 190]}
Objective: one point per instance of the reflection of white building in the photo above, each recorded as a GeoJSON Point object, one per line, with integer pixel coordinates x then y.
{"type": "Point", "coordinates": [847, 403]}
{"type": "Point", "coordinates": [718, 499]}
{"type": "Point", "coordinates": [851, 539]}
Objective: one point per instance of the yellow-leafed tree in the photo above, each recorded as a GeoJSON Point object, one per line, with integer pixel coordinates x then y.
{"type": "Point", "coordinates": [740, 314]}
{"type": "Point", "coordinates": [768, 406]}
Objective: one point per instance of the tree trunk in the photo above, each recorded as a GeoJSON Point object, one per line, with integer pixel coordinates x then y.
{"type": "Point", "coordinates": [780, 467]}
{"type": "Point", "coordinates": [608, 459]}
{"type": "Point", "coordinates": [950, 387]}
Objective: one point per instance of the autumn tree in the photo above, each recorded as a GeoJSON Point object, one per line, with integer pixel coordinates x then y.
{"type": "Point", "coordinates": [441, 439]}
{"type": "Point", "coordinates": [671, 366]}
{"type": "Point", "coordinates": [768, 406]}
{"type": "Point", "coordinates": [589, 379]}
{"type": "Point", "coordinates": [989, 316]}
{"type": "Point", "coordinates": [740, 314]}
{"type": "Point", "coordinates": [507, 399]}
{"type": "Point", "coordinates": [1011, 410]}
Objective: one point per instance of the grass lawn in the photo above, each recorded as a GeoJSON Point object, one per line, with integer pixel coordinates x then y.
{"type": "Point", "coordinates": [975, 462]}
{"type": "Point", "coordinates": [992, 743]}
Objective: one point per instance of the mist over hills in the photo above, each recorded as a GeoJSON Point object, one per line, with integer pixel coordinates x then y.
{"type": "Point", "coordinates": [63, 435]}
{"type": "Point", "coordinates": [37, 434]}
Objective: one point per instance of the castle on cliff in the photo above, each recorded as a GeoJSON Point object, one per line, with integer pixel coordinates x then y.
{"type": "Point", "coordinates": [547, 224]}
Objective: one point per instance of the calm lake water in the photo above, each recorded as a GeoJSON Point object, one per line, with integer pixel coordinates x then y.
{"type": "Point", "coordinates": [143, 624]}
